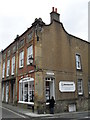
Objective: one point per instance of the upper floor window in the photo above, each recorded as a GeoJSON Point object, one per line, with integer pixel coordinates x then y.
{"type": "Point", "coordinates": [8, 67]}
{"type": "Point", "coordinates": [21, 59]}
{"type": "Point", "coordinates": [21, 43]}
{"type": "Point", "coordinates": [80, 87]}
{"type": "Point", "coordinates": [8, 53]}
{"type": "Point", "coordinates": [78, 62]}
{"type": "Point", "coordinates": [4, 56]}
{"type": "Point", "coordinates": [29, 37]}
{"type": "Point", "coordinates": [14, 49]}
{"type": "Point", "coordinates": [29, 53]}
{"type": "Point", "coordinates": [3, 70]}
{"type": "Point", "coordinates": [13, 65]}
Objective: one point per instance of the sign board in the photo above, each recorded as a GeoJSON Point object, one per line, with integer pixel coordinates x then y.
{"type": "Point", "coordinates": [50, 73]}
{"type": "Point", "coordinates": [66, 86]}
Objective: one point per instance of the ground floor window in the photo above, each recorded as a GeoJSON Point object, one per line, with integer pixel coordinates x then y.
{"type": "Point", "coordinates": [80, 87]}
{"type": "Point", "coordinates": [7, 91]}
{"type": "Point", "coordinates": [3, 92]}
{"type": "Point", "coordinates": [50, 91]}
{"type": "Point", "coordinates": [26, 90]}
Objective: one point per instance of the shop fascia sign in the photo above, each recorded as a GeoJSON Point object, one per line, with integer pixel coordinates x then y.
{"type": "Point", "coordinates": [66, 86]}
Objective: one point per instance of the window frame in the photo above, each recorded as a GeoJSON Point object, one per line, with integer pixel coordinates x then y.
{"type": "Point", "coordinates": [78, 61]}
{"type": "Point", "coordinates": [29, 53]}
{"type": "Point", "coordinates": [3, 70]}
{"type": "Point", "coordinates": [80, 87]}
{"type": "Point", "coordinates": [8, 67]}
{"type": "Point", "coordinates": [13, 66]}
{"type": "Point", "coordinates": [49, 88]}
{"type": "Point", "coordinates": [29, 90]}
{"type": "Point", "coordinates": [21, 59]}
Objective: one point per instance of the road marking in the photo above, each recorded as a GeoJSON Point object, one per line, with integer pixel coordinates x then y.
{"type": "Point", "coordinates": [13, 112]}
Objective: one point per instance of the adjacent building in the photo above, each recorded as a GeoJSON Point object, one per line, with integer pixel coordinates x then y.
{"type": "Point", "coordinates": [47, 61]}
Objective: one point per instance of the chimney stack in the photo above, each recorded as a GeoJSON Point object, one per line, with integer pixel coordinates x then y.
{"type": "Point", "coordinates": [54, 15]}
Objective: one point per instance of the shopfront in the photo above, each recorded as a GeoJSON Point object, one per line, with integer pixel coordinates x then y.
{"type": "Point", "coordinates": [26, 90]}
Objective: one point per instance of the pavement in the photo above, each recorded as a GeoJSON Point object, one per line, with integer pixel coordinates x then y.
{"type": "Point", "coordinates": [23, 111]}
{"type": "Point", "coordinates": [29, 113]}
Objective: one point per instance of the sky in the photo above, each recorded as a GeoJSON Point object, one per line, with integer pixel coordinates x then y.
{"type": "Point", "coordinates": [18, 15]}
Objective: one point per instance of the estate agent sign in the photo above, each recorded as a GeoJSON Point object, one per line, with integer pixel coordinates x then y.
{"type": "Point", "coordinates": [66, 86]}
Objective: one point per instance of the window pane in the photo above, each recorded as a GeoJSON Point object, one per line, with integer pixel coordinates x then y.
{"type": "Point", "coordinates": [80, 87]}
{"type": "Point", "coordinates": [21, 59]}
{"type": "Point", "coordinates": [8, 67]}
{"type": "Point", "coordinates": [29, 53]}
{"type": "Point", "coordinates": [13, 65]}
{"type": "Point", "coordinates": [26, 91]}
{"type": "Point", "coordinates": [78, 62]}
{"type": "Point", "coordinates": [3, 71]}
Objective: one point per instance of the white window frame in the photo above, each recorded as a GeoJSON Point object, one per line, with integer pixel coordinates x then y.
{"type": "Point", "coordinates": [8, 67]}
{"type": "Point", "coordinates": [23, 91]}
{"type": "Point", "coordinates": [29, 53]}
{"type": "Point", "coordinates": [3, 70]}
{"type": "Point", "coordinates": [80, 87]}
{"type": "Point", "coordinates": [21, 59]}
{"type": "Point", "coordinates": [13, 66]}
{"type": "Point", "coordinates": [50, 90]}
{"type": "Point", "coordinates": [78, 62]}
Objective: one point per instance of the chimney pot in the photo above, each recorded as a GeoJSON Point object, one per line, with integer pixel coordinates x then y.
{"type": "Point", "coordinates": [52, 9]}
{"type": "Point", "coordinates": [56, 10]}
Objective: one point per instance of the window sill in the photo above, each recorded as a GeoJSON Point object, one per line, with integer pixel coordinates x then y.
{"type": "Point", "coordinates": [79, 69]}
{"type": "Point", "coordinates": [80, 94]}
{"type": "Point", "coordinates": [12, 74]}
{"type": "Point", "coordinates": [29, 103]}
{"type": "Point", "coordinates": [7, 76]}
{"type": "Point", "coordinates": [20, 67]}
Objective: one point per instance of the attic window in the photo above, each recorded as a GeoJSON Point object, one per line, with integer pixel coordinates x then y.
{"type": "Point", "coordinates": [29, 37]}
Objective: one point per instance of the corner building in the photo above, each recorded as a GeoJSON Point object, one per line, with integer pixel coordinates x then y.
{"type": "Point", "coordinates": [46, 61]}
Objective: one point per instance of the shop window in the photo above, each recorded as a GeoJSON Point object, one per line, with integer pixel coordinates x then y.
{"type": "Point", "coordinates": [80, 87]}
{"type": "Point", "coordinates": [49, 88]}
{"type": "Point", "coordinates": [26, 90]}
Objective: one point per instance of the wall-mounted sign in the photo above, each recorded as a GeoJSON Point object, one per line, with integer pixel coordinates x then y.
{"type": "Point", "coordinates": [66, 86]}
{"type": "Point", "coordinates": [50, 73]}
